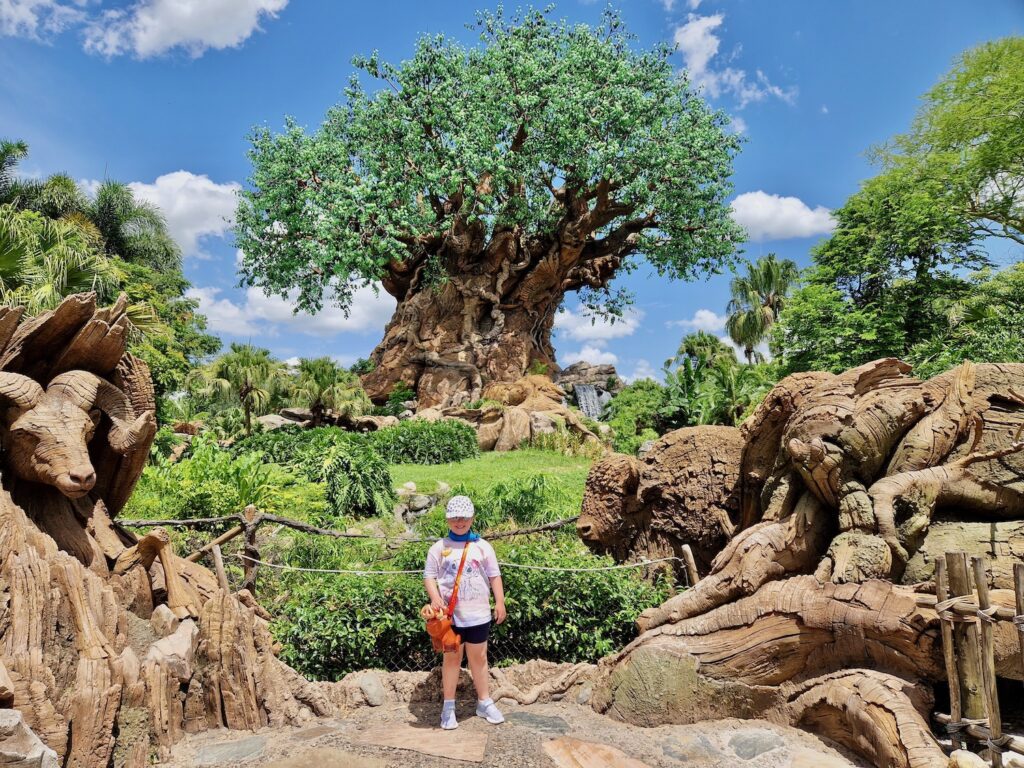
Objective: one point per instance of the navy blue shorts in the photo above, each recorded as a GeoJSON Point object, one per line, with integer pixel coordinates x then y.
{"type": "Point", "coordinates": [475, 634]}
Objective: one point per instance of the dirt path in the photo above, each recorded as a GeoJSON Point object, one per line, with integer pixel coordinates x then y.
{"type": "Point", "coordinates": [518, 743]}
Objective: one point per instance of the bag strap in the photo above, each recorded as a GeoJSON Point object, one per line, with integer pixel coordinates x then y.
{"type": "Point", "coordinates": [458, 578]}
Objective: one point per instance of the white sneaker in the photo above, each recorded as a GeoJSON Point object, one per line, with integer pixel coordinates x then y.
{"type": "Point", "coordinates": [448, 721]}
{"type": "Point", "coordinates": [488, 710]}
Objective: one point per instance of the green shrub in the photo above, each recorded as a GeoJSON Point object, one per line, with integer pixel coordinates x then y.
{"type": "Point", "coordinates": [213, 483]}
{"type": "Point", "coordinates": [396, 400]}
{"type": "Point", "coordinates": [332, 625]}
{"type": "Point", "coordinates": [634, 414]}
{"type": "Point", "coordinates": [357, 480]}
{"type": "Point", "coordinates": [415, 441]}
{"type": "Point", "coordinates": [164, 442]}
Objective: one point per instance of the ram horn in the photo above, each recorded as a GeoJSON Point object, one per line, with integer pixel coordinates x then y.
{"type": "Point", "coordinates": [19, 390]}
{"type": "Point", "coordinates": [87, 390]}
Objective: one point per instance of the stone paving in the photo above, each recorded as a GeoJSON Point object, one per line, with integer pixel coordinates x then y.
{"type": "Point", "coordinates": [525, 740]}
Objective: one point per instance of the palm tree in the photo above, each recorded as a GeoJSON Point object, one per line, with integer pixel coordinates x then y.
{"type": "Point", "coordinates": [727, 391]}
{"type": "Point", "coordinates": [43, 260]}
{"type": "Point", "coordinates": [247, 375]}
{"type": "Point", "coordinates": [704, 347]}
{"type": "Point", "coordinates": [757, 301]}
{"type": "Point", "coordinates": [10, 153]}
{"type": "Point", "coordinates": [324, 384]}
{"type": "Point", "coordinates": [132, 229]}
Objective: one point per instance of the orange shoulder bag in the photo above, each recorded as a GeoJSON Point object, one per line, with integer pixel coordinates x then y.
{"type": "Point", "coordinates": [442, 635]}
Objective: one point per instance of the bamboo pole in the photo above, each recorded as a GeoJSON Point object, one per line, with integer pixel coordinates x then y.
{"type": "Point", "coordinates": [218, 564]}
{"type": "Point", "coordinates": [988, 659]}
{"type": "Point", "coordinates": [224, 537]}
{"type": "Point", "coordinates": [952, 677]}
{"type": "Point", "coordinates": [1018, 620]}
{"type": "Point", "coordinates": [968, 655]}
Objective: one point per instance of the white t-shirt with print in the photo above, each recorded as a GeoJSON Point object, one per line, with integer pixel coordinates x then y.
{"type": "Point", "coordinates": [474, 604]}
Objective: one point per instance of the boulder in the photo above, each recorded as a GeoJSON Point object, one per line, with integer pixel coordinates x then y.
{"type": "Point", "coordinates": [273, 421]}
{"type": "Point", "coordinates": [297, 414]}
{"type": "Point", "coordinates": [19, 746]}
{"type": "Point", "coordinates": [602, 377]}
{"type": "Point", "coordinates": [164, 621]}
{"type": "Point", "coordinates": [515, 430]}
{"type": "Point", "coordinates": [542, 424]}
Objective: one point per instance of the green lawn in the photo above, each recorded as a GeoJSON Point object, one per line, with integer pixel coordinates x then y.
{"type": "Point", "coordinates": [480, 475]}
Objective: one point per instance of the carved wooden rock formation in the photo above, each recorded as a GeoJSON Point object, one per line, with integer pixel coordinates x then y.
{"type": "Point", "coordinates": [831, 499]}
{"type": "Point", "coordinates": [79, 657]}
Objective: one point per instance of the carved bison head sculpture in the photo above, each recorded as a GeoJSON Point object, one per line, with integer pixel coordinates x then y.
{"type": "Point", "coordinates": [46, 433]}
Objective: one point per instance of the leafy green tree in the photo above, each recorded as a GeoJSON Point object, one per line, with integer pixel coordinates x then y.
{"type": "Point", "coordinates": [133, 229]}
{"type": "Point", "coordinates": [634, 414]}
{"type": "Point", "coordinates": [967, 138]}
{"type": "Point", "coordinates": [702, 346]}
{"type": "Point", "coordinates": [986, 325]}
{"type": "Point", "coordinates": [246, 375]}
{"type": "Point", "coordinates": [728, 391]}
{"type": "Point", "coordinates": [480, 185]}
{"type": "Point", "coordinates": [757, 299]}
{"type": "Point", "coordinates": [323, 385]}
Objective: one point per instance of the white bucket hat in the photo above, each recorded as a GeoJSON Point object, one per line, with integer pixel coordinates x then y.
{"type": "Point", "coordinates": [459, 506]}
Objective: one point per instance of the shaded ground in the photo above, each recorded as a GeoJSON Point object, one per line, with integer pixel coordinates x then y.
{"type": "Point", "coordinates": [518, 743]}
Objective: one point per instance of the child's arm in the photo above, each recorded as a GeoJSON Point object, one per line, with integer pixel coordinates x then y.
{"type": "Point", "coordinates": [435, 595]}
{"type": "Point", "coordinates": [499, 599]}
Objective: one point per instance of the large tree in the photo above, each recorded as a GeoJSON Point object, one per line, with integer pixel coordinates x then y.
{"type": "Point", "coordinates": [480, 185]}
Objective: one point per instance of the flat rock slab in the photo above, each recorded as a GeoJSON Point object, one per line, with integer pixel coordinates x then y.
{"type": "Point", "coordinates": [325, 757]}
{"type": "Point", "coordinates": [556, 726]}
{"type": "Point", "coordinates": [567, 752]}
{"type": "Point", "coordinates": [748, 744]}
{"type": "Point", "coordinates": [231, 752]}
{"type": "Point", "coordinates": [430, 741]}
{"type": "Point", "coordinates": [315, 732]}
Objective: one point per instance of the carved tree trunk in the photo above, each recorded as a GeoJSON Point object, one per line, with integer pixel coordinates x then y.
{"type": "Point", "coordinates": [449, 344]}
{"type": "Point", "coordinates": [841, 477]}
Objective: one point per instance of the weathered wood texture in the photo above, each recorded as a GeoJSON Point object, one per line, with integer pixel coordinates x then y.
{"type": "Point", "coordinates": [839, 480]}
{"type": "Point", "coordinates": [78, 656]}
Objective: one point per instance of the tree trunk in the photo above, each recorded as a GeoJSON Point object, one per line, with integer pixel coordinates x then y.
{"type": "Point", "coordinates": [451, 342]}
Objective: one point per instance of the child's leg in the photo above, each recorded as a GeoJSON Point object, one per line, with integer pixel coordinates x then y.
{"type": "Point", "coordinates": [477, 654]}
{"type": "Point", "coordinates": [450, 667]}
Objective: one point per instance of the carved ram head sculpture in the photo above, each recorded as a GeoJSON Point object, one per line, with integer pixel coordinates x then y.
{"type": "Point", "coordinates": [47, 432]}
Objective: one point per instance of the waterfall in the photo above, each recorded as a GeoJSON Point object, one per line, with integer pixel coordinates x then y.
{"type": "Point", "coordinates": [587, 400]}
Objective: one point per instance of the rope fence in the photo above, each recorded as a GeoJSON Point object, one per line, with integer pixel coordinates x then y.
{"type": "Point", "coordinates": [561, 611]}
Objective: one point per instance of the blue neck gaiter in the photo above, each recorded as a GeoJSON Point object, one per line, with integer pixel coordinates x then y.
{"type": "Point", "coordinates": [467, 536]}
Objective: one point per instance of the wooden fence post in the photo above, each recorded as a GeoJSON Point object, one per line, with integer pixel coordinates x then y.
{"type": "Point", "coordinates": [250, 553]}
{"type": "Point", "coordinates": [1018, 620]}
{"type": "Point", "coordinates": [968, 654]}
{"type": "Point", "coordinates": [218, 564]}
{"type": "Point", "coordinates": [952, 677]}
{"type": "Point", "coordinates": [988, 665]}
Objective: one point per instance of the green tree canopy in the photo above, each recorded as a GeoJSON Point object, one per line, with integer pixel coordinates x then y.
{"type": "Point", "coordinates": [245, 374]}
{"type": "Point", "coordinates": [557, 137]}
{"type": "Point", "coordinates": [323, 384]}
{"type": "Point", "coordinates": [757, 299]}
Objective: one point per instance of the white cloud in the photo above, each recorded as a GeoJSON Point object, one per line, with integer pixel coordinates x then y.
{"type": "Point", "coordinates": [35, 18]}
{"type": "Point", "coordinates": [194, 206]}
{"type": "Point", "coordinates": [824, 109]}
{"type": "Point", "coordinates": [643, 370]}
{"type": "Point", "coordinates": [577, 324]}
{"type": "Point", "coordinates": [699, 44]}
{"type": "Point", "coordinates": [737, 124]}
{"type": "Point", "coordinates": [668, 5]}
{"type": "Point", "coordinates": [693, 4]}
{"type": "Point", "coordinates": [702, 320]}
{"type": "Point", "coordinates": [591, 353]}
{"type": "Point", "coordinates": [773, 217]}
{"type": "Point", "coordinates": [271, 315]}
{"type": "Point", "coordinates": [152, 27]}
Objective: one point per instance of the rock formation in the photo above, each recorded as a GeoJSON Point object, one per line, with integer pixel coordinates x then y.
{"type": "Point", "coordinates": [93, 677]}
{"type": "Point", "coordinates": [835, 494]}
{"type": "Point", "coordinates": [519, 411]}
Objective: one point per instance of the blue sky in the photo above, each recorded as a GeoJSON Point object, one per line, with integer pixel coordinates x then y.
{"type": "Point", "coordinates": [162, 93]}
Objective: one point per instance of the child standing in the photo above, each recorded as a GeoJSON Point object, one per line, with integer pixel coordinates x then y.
{"type": "Point", "coordinates": [472, 618]}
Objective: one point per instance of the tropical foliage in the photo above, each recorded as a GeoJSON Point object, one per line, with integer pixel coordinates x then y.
{"type": "Point", "coordinates": [246, 375]}
{"type": "Point", "coordinates": [757, 299]}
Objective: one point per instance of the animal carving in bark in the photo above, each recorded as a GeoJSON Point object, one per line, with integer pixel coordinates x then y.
{"type": "Point", "coordinates": [79, 656]}
{"type": "Point", "coordinates": [837, 485]}
{"type": "Point", "coordinates": [481, 187]}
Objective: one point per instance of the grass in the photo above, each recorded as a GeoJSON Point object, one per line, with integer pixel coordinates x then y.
{"type": "Point", "coordinates": [482, 474]}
